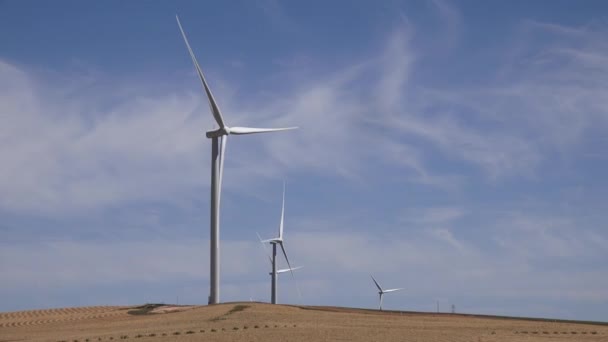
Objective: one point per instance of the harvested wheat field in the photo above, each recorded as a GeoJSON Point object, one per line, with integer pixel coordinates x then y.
{"type": "Point", "coordinates": [265, 322]}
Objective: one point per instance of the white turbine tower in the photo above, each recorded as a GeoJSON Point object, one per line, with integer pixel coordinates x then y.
{"type": "Point", "coordinates": [274, 242]}
{"type": "Point", "coordinates": [218, 136]}
{"type": "Point", "coordinates": [381, 292]}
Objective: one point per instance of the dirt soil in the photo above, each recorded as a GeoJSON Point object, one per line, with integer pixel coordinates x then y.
{"type": "Point", "coordinates": [265, 322]}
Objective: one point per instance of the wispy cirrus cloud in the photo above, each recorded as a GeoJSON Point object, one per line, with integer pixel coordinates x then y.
{"type": "Point", "coordinates": [147, 146]}
{"type": "Point", "coordinates": [361, 113]}
{"type": "Point", "coordinates": [58, 155]}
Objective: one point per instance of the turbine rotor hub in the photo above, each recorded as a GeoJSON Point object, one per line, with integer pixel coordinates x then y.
{"type": "Point", "coordinates": [218, 132]}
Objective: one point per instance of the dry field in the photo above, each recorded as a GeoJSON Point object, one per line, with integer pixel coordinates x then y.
{"type": "Point", "coordinates": [265, 322]}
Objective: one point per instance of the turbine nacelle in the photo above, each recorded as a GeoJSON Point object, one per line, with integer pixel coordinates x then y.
{"type": "Point", "coordinates": [221, 132]}
{"type": "Point", "coordinates": [273, 241]}
{"type": "Point", "coordinates": [217, 133]}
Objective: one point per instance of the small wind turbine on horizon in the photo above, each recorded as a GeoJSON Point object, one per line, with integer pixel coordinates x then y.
{"type": "Point", "coordinates": [273, 260]}
{"type": "Point", "coordinates": [381, 292]}
{"type": "Point", "coordinates": [218, 137]}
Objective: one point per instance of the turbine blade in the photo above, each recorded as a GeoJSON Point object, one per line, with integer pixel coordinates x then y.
{"type": "Point", "coordinates": [377, 285]}
{"type": "Point", "coordinates": [393, 290]}
{"type": "Point", "coordinates": [290, 269]}
{"type": "Point", "coordinates": [286, 258]}
{"type": "Point", "coordinates": [223, 142]}
{"type": "Point", "coordinates": [215, 110]}
{"type": "Point", "coordinates": [282, 214]}
{"type": "Point", "coordinates": [253, 130]}
{"type": "Point", "coordinates": [264, 246]}
{"type": "Point", "coordinates": [259, 238]}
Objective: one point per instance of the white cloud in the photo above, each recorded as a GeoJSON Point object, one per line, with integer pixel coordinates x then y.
{"type": "Point", "coordinates": [430, 262]}
{"type": "Point", "coordinates": [450, 22]}
{"type": "Point", "coordinates": [430, 215]}
{"type": "Point", "coordinates": [396, 63]}
{"type": "Point", "coordinates": [73, 263]}
{"type": "Point", "coordinates": [63, 153]}
{"type": "Point", "coordinates": [88, 151]}
{"type": "Point", "coordinates": [546, 98]}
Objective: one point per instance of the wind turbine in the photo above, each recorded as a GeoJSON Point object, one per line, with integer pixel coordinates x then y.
{"type": "Point", "coordinates": [218, 138]}
{"type": "Point", "coordinates": [274, 242]}
{"type": "Point", "coordinates": [274, 279]}
{"type": "Point", "coordinates": [381, 292]}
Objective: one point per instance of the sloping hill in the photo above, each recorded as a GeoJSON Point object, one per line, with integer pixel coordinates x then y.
{"type": "Point", "coordinates": [265, 322]}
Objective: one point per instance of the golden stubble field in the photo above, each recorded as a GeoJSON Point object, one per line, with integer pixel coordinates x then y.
{"type": "Point", "coordinates": [265, 322]}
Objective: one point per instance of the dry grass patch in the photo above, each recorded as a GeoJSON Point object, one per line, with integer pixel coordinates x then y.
{"type": "Point", "coordinates": [255, 322]}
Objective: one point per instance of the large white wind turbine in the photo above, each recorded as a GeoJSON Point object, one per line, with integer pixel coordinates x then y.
{"type": "Point", "coordinates": [218, 136]}
{"type": "Point", "coordinates": [274, 242]}
{"type": "Point", "coordinates": [381, 292]}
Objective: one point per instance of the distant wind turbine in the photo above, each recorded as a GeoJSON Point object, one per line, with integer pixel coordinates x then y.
{"type": "Point", "coordinates": [274, 242]}
{"type": "Point", "coordinates": [381, 292]}
{"type": "Point", "coordinates": [218, 136]}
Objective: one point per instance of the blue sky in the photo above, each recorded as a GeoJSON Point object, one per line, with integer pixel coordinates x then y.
{"type": "Point", "coordinates": [454, 148]}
